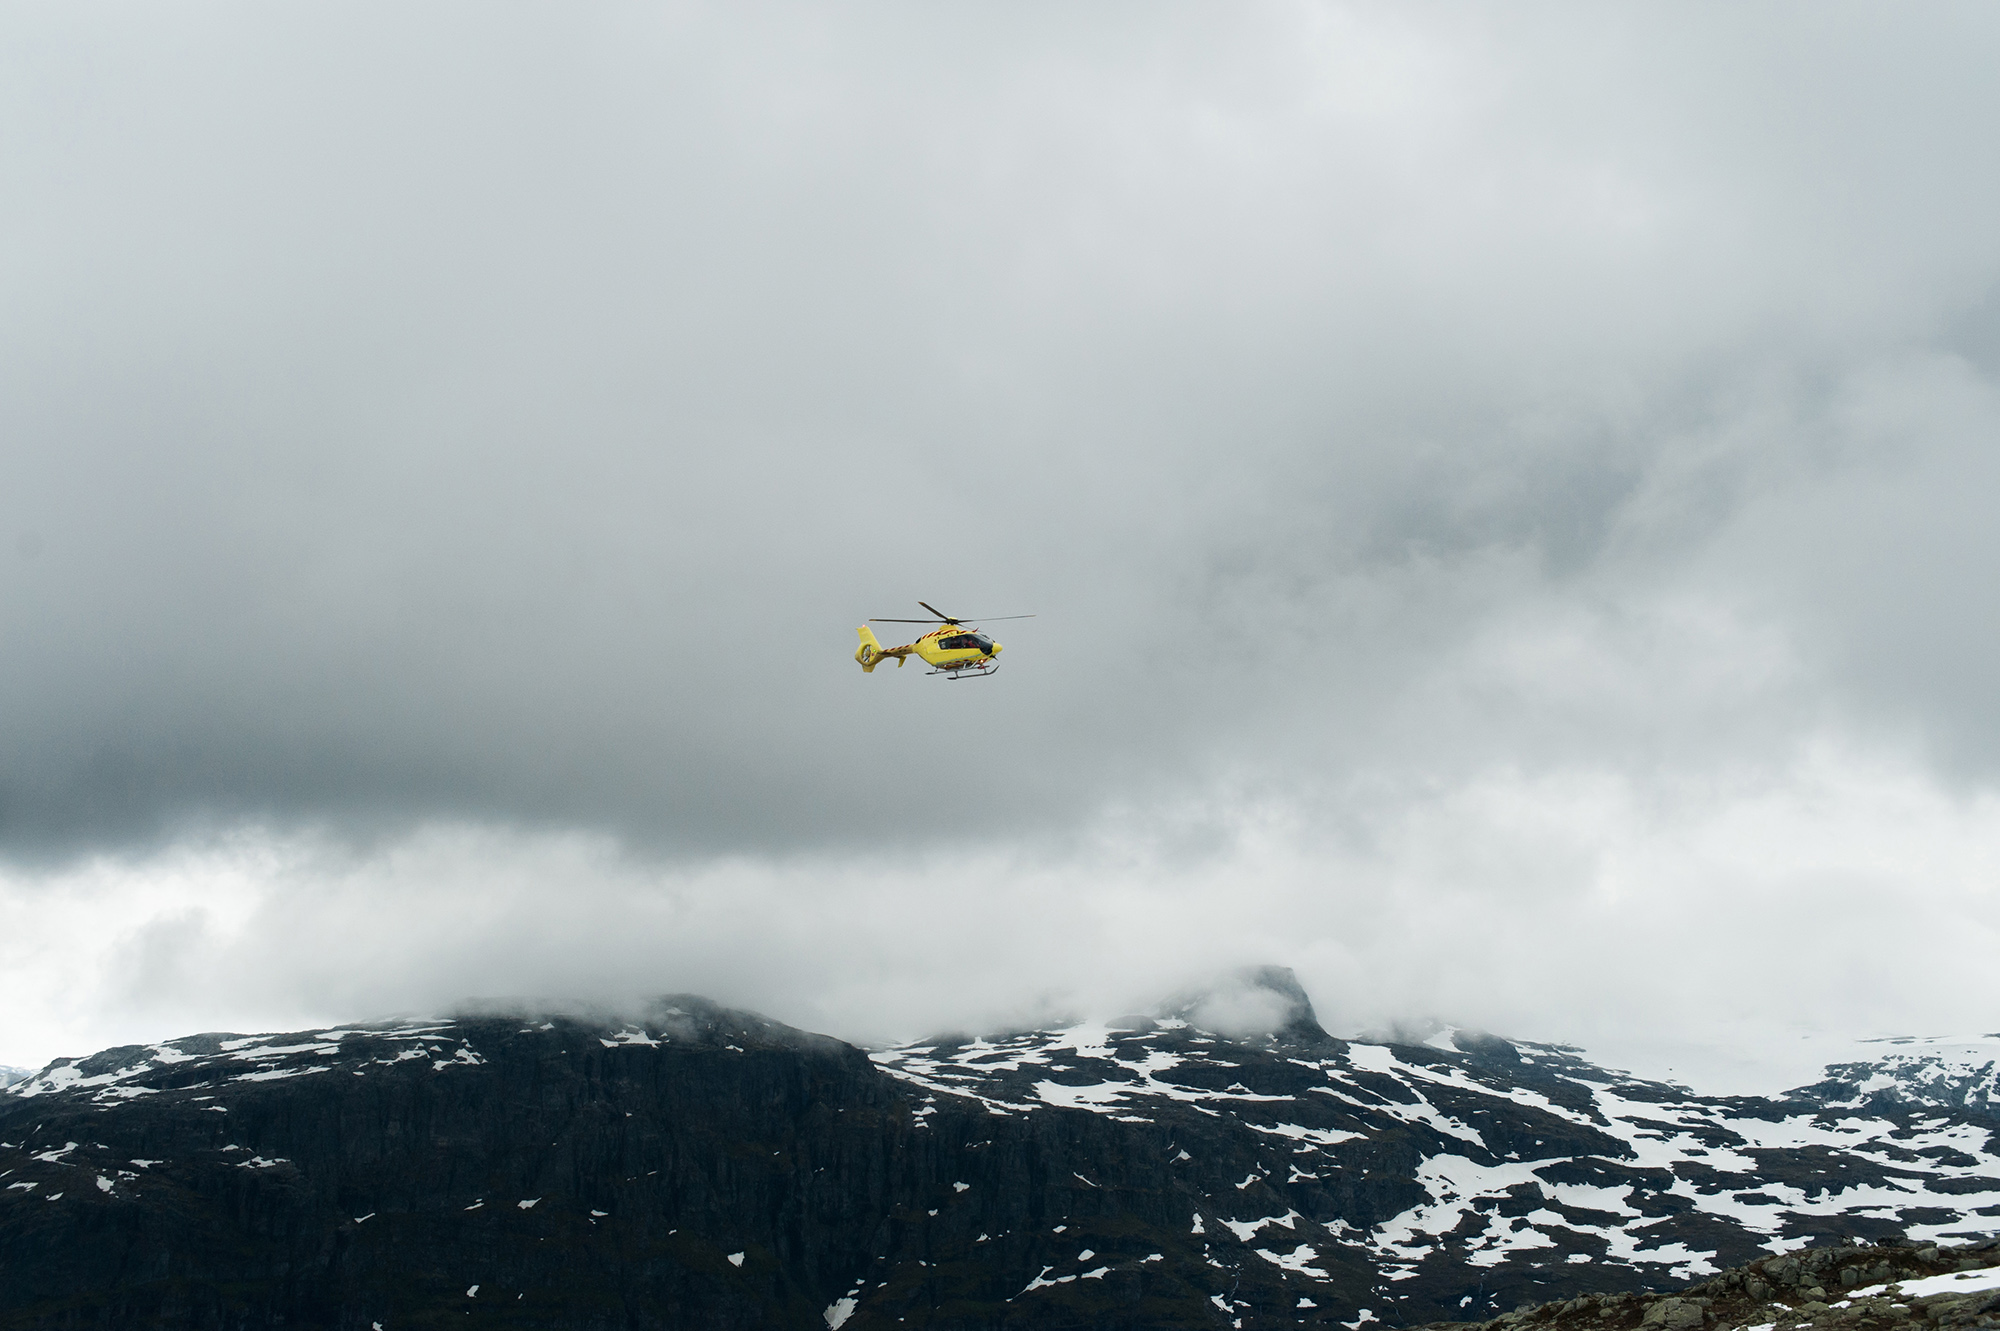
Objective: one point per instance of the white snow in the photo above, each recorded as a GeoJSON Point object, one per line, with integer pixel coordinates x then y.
{"type": "Point", "coordinates": [276, 1074]}
{"type": "Point", "coordinates": [1955, 1282]}
{"type": "Point", "coordinates": [1298, 1260]}
{"type": "Point", "coordinates": [1317, 1136]}
{"type": "Point", "coordinates": [1243, 1229]}
{"type": "Point", "coordinates": [1042, 1281]}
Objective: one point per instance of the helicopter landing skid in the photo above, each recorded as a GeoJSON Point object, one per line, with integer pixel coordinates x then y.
{"type": "Point", "coordinates": [979, 671]}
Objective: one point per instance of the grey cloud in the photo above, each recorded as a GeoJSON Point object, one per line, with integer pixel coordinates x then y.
{"type": "Point", "coordinates": [505, 416]}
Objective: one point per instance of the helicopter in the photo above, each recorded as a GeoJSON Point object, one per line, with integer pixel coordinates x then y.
{"type": "Point", "coordinates": [953, 649]}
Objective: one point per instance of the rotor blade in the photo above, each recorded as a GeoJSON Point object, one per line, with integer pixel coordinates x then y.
{"type": "Point", "coordinates": [939, 613]}
{"type": "Point", "coordinates": [902, 621]}
{"type": "Point", "coordinates": [991, 619]}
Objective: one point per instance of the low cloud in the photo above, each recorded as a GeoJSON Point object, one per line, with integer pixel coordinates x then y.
{"type": "Point", "coordinates": [1687, 932]}
{"type": "Point", "coordinates": [1501, 497]}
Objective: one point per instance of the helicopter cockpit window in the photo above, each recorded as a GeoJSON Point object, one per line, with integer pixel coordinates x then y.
{"type": "Point", "coordinates": [959, 640]}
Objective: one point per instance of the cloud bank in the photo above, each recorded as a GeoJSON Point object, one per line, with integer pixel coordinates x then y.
{"type": "Point", "coordinates": [1504, 498]}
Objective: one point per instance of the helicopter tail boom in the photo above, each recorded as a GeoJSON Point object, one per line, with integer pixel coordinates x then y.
{"type": "Point", "coordinates": [872, 653]}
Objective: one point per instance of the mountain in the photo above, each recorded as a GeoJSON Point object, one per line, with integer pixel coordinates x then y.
{"type": "Point", "coordinates": [1222, 1162]}
{"type": "Point", "coordinates": [1959, 1075]}
{"type": "Point", "coordinates": [10, 1074]}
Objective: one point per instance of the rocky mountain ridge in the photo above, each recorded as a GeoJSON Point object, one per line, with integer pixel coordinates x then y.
{"type": "Point", "coordinates": [697, 1166]}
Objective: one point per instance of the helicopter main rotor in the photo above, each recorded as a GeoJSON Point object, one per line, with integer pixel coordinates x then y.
{"type": "Point", "coordinates": [942, 618]}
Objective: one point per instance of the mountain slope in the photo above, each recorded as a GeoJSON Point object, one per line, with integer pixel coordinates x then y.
{"type": "Point", "coordinates": [1472, 1177]}
{"type": "Point", "coordinates": [1959, 1075]}
{"type": "Point", "coordinates": [698, 1166]}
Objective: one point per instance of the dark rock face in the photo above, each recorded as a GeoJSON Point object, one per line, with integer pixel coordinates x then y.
{"type": "Point", "coordinates": [350, 1177]}
{"type": "Point", "coordinates": [706, 1168]}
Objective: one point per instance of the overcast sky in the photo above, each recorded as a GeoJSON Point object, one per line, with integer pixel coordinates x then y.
{"type": "Point", "coordinates": [1505, 493]}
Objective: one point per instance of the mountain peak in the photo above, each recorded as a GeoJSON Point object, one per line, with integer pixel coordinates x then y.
{"type": "Point", "coordinates": [1253, 1001]}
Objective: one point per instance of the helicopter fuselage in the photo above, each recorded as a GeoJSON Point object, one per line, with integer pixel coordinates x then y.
{"type": "Point", "coordinates": [952, 649]}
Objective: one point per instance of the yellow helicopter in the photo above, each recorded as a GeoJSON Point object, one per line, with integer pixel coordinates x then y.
{"type": "Point", "coordinates": [952, 649]}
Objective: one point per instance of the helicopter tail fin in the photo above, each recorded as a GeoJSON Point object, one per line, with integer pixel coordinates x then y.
{"type": "Point", "coordinates": [870, 652]}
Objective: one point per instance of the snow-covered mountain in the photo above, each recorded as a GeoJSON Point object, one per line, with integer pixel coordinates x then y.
{"type": "Point", "coordinates": [9, 1074]}
{"type": "Point", "coordinates": [1523, 1156]}
{"type": "Point", "coordinates": [1960, 1074]}
{"type": "Point", "coordinates": [1223, 1161]}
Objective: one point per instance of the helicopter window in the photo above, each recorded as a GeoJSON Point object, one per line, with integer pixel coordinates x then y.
{"type": "Point", "coordinates": [958, 640]}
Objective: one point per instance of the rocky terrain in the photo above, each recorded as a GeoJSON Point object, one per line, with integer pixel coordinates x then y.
{"type": "Point", "coordinates": [694, 1166]}
{"type": "Point", "coordinates": [1826, 1289]}
{"type": "Point", "coordinates": [1960, 1075]}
